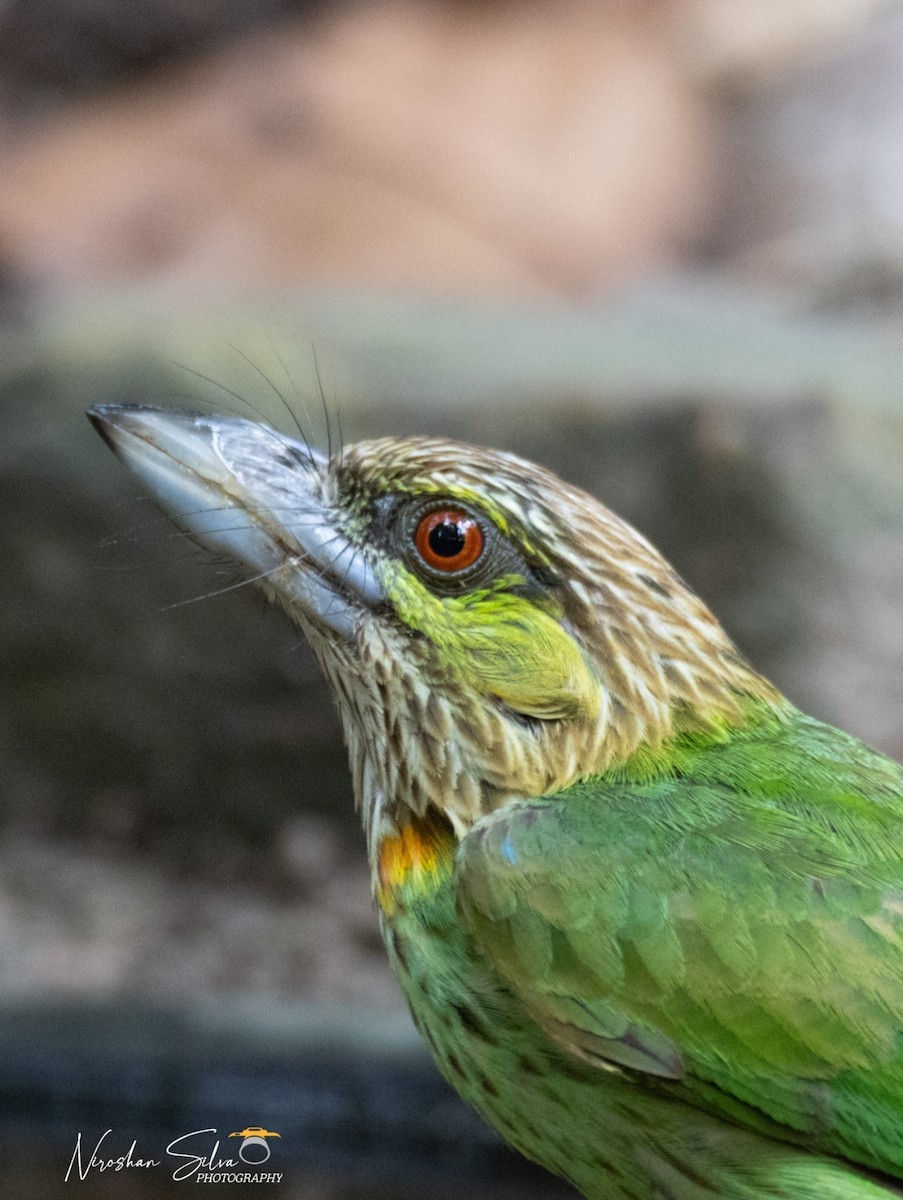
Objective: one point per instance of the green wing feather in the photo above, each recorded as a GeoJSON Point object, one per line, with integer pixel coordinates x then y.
{"type": "Point", "coordinates": [730, 930]}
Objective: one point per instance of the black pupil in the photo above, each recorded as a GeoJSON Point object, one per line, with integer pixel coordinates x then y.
{"type": "Point", "coordinates": [447, 539]}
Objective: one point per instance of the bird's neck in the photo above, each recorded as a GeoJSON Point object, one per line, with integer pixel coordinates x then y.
{"type": "Point", "coordinates": [412, 861]}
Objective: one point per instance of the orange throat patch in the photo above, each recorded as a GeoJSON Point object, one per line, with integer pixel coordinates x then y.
{"type": "Point", "coordinates": [413, 860]}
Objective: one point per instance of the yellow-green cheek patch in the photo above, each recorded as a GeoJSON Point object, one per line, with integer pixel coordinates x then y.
{"type": "Point", "coordinates": [502, 644]}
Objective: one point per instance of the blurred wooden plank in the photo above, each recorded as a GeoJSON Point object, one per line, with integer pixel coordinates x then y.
{"type": "Point", "coordinates": [690, 335]}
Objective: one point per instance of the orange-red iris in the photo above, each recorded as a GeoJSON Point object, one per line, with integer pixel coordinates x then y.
{"type": "Point", "coordinates": [449, 539]}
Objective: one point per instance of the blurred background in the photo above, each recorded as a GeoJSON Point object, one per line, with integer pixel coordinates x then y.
{"type": "Point", "coordinates": [657, 246]}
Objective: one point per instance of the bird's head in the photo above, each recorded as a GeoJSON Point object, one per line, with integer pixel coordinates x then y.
{"type": "Point", "coordinates": [489, 631]}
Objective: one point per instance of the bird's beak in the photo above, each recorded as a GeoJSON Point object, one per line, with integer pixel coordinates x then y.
{"type": "Point", "coordinates": [245, 490]}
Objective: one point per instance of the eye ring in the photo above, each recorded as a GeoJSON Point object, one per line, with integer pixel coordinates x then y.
{"type": "Point", "coordinates": [449, 540]}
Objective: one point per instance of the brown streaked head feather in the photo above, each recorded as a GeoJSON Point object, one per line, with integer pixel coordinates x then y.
{"type": "Point", "coordinates": [561, 645]}
{"type": "Point", "coordinates": [418, 731]}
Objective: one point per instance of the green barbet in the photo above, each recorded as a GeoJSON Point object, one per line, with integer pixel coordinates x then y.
{"type": "Point", "coordinates": [647, 915]}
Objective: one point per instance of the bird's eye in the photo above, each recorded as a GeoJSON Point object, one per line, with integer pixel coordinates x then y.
{"type": "Point", "coordinates": [449, 540]}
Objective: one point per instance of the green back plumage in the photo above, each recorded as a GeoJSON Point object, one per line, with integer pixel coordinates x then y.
{"type": "Point", "coordinates": [724, 925]}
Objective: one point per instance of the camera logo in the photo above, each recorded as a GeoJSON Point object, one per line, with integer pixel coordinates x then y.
{"type": "Point", "coordinates": [254, 1149]}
